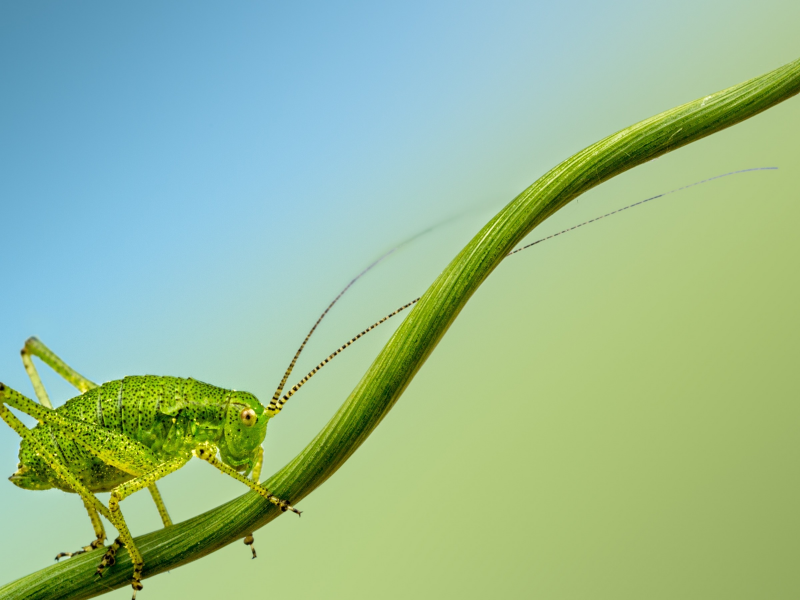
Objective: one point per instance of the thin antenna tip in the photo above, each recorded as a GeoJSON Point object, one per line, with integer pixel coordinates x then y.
{"type": "Point", "coordinates": [640, 202]}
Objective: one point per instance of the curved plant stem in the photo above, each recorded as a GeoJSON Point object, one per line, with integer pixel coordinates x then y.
{"type": "Point", "coordinates": [417, 336]}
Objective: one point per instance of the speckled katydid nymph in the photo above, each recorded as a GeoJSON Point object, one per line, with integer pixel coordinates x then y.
{"type": "Point", "coordinates": [125, 435]}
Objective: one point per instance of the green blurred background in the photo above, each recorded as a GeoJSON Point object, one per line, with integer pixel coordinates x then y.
{"type": "Point", "coordinates": [184, 188]}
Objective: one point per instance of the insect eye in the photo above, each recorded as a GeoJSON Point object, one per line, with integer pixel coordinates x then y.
{"type": "Point", "coordinates": [248, 417]}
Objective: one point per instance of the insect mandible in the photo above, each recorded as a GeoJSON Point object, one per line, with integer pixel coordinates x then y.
{"type": "Point", "coordinates": [125, 435]}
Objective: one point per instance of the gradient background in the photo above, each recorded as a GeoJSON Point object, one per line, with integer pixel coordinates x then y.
{"type": "Point", "coordinates": [184, 187]}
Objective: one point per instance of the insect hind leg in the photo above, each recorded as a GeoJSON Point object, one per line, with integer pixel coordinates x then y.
{"type": "Point", "coordinates": [12, 398]}
{"type": "Point", "coordinates": [34, 347]}
{"type": "Point", "coordinates": [255, 476]}
{"type": "Point", "coordinates": [22, 403]}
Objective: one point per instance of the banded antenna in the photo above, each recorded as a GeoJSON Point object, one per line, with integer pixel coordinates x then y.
{"type": "Point", "coordinates": [276, 406]}
{"type": "Point", "coordinates": [288, 372]}
{"type": "Point", "coordinates": [381, 258]}
{"type": "Point", "coordinates": [640, 202]}
{"type": "Point", "coordinates": [277, 402]}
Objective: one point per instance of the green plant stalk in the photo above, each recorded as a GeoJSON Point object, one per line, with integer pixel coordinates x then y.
{"type": "Point", "coordinates": [417, 336]}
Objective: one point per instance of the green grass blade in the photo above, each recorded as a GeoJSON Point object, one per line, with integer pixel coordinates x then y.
{"type": "Point", "coordinates": [418, 335]}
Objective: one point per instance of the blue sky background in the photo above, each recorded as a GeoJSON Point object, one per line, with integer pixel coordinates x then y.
{"type": "Point", "coordinates": [184, 186]}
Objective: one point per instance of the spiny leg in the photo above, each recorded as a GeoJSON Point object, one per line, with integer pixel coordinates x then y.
{"type": "Point", "coordinates": [119, 451]}
{"type": "Point", "coordinates": [162, 508]}
{"type": "Point", "coordinates": [99, 532]}
{"type": "Point", "coordinates": [34, 347]}
{"type": "Point", "coordinates": [38, 386]}
{"type": "Point", "coordinates": [118, 494]}
{"type": "Point", "coordinates": [126, 455]}
{"type": "Point", "coordinates": [208, 453]}
{"type": "Point", "coordinates": [255, 476]}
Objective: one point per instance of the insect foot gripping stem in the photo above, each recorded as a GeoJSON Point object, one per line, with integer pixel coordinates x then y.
{"type": "Point", "coordinates": [208, 453]}
{"type": "Point", "coordinates": [98, 543]}
{"type": "Point", "coordinates": [109, 558]}
{"type": "Point", "coordinates": [99, 533]}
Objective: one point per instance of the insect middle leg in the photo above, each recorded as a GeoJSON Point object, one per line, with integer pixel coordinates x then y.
{"type": "Point", "coordinates": [162, 509]}
{"type": "Point", "coordinates": [249, 540]}
{"type": "Point", "coordinates": [118, 494]}
{"type": "Point", "coordinates": [99, 532]}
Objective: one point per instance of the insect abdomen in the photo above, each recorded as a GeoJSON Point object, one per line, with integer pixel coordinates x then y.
{"type": "Point", "coordinates": [153, 410]}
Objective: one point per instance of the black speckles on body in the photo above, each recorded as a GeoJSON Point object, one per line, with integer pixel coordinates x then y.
{"type": "Point", "coordinates": [98, 442]}
{"type": "Point", "coordinates": [119, 405]}
{"type": "Point", "coordinates": [129, 407]}
{"type": "Point", "coordinates": [168, 415]}
{"type": "Point", "coordinates": [112, 416]}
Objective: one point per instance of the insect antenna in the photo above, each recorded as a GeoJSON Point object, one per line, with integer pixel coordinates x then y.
{"type": "Point", "coordinates": [288, 372]}
{"type": "Point", "coordinates": [619, 210]}
{"type": "Point", "coordinates": [380, 259]}
{"type": "Point", "coordinates": [277, 404]}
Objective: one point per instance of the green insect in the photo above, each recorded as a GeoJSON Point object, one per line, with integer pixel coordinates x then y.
{"type": "Point", "coordinates": [123, 436]}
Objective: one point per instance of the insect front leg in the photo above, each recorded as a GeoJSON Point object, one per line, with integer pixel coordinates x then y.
{"type": "Point", "coordinates": [208, 453]}
{"type": "Point", "coordinates": [249, 540]}
{"type": "Point", "coordinates": [118, 494]}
